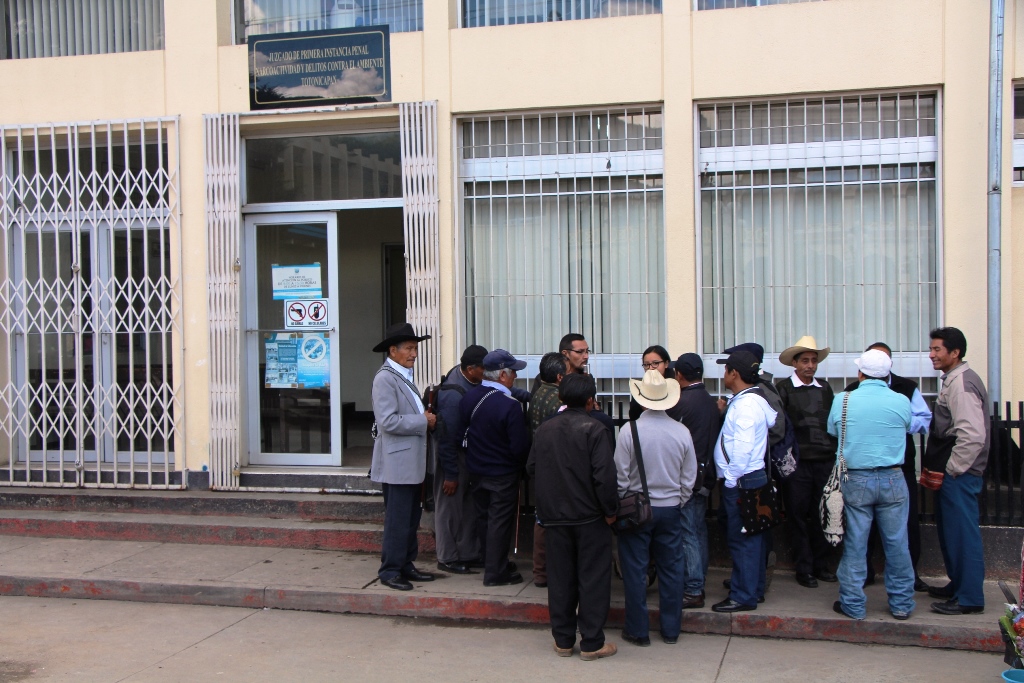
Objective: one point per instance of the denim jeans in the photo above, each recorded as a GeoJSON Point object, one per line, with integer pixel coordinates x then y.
{"type": "Point", "coordinates": [661, 540]}
{"type": "Point", "coordinates": [748, 556]}
{"type": "Point", "coordinates": [880, 496]}
{"type": "Point", "coordinates": [695, 544]}
{"type": "Point", "coordinates": [956, 518]}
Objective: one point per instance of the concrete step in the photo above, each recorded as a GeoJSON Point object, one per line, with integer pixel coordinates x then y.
{"type": "Point", "coordinates": [203, 529]}
{"type": "Point", "coordinates": [309, 507]}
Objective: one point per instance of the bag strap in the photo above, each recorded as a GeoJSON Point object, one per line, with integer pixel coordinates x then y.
{"type": "Point", "coordinates": [480, 403]}
{"type": "Point", "coordinates": [639, 458]}
{"type": "Point", "coordinates": [842, 438]}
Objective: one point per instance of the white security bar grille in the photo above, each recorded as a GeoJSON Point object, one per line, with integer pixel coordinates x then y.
{"type": "Point", "coordinates": [286, 16]}
{"type": "Point", "coordinates": [56, 28]}
{"type": "Point", "coordinates": [727, 4]}
{"type": "Point", "coordinates": [505, 12]}
{"type": "Point", "coordinates": [418, 132]}
{"type": "Point", "coordinates": [224, 234]}
{"type": "Point", "coordinates": [820, 216]}
{"type": "Point", "coordinates": [563, 229]}
{"type": "Point", "coordinates": [90, 304]}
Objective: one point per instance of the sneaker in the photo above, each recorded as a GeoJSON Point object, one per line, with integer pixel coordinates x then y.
{"type": "Point", "coordinates": [607, 651]}
{"type": "Point", "coordinates": [563, 651]}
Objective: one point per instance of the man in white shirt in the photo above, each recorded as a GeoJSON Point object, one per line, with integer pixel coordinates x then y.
{"type": "Point", "coordinates": [741, 459]}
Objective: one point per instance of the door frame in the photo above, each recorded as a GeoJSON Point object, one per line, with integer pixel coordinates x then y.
{"type": "Point", "coordinates": [252, 336]}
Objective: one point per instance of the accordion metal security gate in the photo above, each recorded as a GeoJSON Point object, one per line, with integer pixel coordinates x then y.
{"type": "Point", "coordinates": [90, 304]}
{"type": "Point", "coordinates": [418, 135]}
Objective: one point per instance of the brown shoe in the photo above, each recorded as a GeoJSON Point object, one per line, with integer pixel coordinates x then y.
{"type": "Point", "coordinates": [563, 651]}
{"type": "Point", "coordinates": [607, 651]}
{"type": "Point", "coordinates": [693, 601]}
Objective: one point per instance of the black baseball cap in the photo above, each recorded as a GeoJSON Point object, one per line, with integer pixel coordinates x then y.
{"type": "Point", "coordinates": [689, 365]}
{"type": "Point", "coordinates": [473, 355]}
{"type": "Point", "coordinates": [756, 350]}
{"type": "Point", "coordinates": [745, 363]}
{"type": "Point", "coordinates": [500, 359]}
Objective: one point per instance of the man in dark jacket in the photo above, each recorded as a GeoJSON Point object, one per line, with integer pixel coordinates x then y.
{"type": "Point", "coordinates": [454, 514]}
{"type": "Point", "coordinates": [698, 411]}
{"type": "Point", "coordinates": [577, 499]}
{"type": "Point", "coordinates": [498, 441]}
{"type": "Point", "coordinates": [808, 402]}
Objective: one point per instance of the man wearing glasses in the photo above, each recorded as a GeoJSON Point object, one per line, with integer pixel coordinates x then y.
{"type": "Point", "coordinates": [576, 351]}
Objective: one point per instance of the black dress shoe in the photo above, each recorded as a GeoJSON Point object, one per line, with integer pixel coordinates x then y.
{"type": "Point", "coordinates": [837, 607]}
{"type": "Point", "coordinates": [474, 564]}
{"type": "Point", "coordinates": [953, 608]}
{"type": "Point", "coordinates": [454, 568]}
{"type": "Point", "coordinates": [668, 640]}
{"type": "Point", "coordinates": [760, 600]}
{"type": "Point", "coordinates": [826, 576]}
{"type": "Point", "coordinates": [727, 583]}
{"type": "Point", "coordinates": [640, 642]}
{"type": "Point", "coordinates": [398, 583]}
{"type": "Point", "coordinates": [920, 586]}
{"type": "Point", "coordinates": [416, 575]}
{"type": "Point", "coordinates": [540, 584]}
{"type": "Point", "coordinates": [941, 591]}
{"type": "Point", "coordinates": [729, 605]}
{"type": "Point", "coordinates": [693, 601]}
{"type": "Point", "coordinates": [511, 567]}
{"type": "Point", "coordinates": [807, 580]}
{"type": "Point", "coordinates": [870, 581]}
{"type": "Point", "coordinates": [507, 580]}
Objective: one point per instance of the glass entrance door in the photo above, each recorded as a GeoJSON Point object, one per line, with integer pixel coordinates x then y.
{"type": "Point", "coordinates": [291, 340]}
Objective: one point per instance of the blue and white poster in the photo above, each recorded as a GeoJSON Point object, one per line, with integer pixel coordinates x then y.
{"type": "Point", "coordinates": [296, 282]}
{"type": "Point", "coordinates": [297, 360]}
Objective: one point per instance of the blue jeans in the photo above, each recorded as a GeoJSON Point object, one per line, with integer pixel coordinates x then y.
{"type": "Point", "coordinates": [695, 544]}
{"type": "Point", "coordinates": [748, 555]}
{"type": "Point", "coordinates": [662, 540]}
{"type": "Point", "coordinates": [959, 527]}
{"type": "Point", "coordinates": [880, 496]}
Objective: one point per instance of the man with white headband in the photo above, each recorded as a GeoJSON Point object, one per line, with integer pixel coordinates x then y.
{"type": "Point", "coordinates": [871, 424]}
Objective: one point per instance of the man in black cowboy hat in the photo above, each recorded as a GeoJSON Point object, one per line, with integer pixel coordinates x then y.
{"type": "Point", "coordinates": [400, 455]}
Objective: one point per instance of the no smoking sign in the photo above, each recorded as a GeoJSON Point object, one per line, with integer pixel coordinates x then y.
{"type": "Point", "coordinates": [305, 314]}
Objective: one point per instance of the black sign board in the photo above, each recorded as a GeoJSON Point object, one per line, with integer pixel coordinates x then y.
{"type": "Point", "coordinates": [316, 68]}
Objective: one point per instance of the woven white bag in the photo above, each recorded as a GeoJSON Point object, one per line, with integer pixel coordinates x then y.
{"type": "Point", "coordinates": [830, 508]}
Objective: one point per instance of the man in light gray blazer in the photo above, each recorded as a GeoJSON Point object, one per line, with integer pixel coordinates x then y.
{"type": "Point", "coordinates": [400, 455]}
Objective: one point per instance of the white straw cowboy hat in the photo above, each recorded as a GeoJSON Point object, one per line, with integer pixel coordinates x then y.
{"type": "Point", "coordinates": [654, 391]}
{"type": "Point", "coordinates": [804, 344]}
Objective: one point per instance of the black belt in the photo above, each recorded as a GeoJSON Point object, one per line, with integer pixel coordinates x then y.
{"type": "Point", "coordinates": [873, 469]}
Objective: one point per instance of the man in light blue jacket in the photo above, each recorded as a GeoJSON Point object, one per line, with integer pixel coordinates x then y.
{"type": "Point", "coordinates": [400, 455]}
{"type": "Point", "coordinates": [876, 423]}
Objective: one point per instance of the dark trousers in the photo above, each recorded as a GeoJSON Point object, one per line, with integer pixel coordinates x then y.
{"type": "Point", "coordinates": [579, 583]}
{"type": "Point", "coordinates": [913, 526]}
{"type": "Point", "coordinates": [540, 564]}
{"type": "Point", "coordinates": [747, 583]}
{"type": "Point", "coordinates": [455, 519]}
{"type": "Point", "coordinates": [401, 522]}
{"type": "Point", "coordinates": [496, 501]}
{"type": "Point", "coordinates": [660, 540]}
{"type": "Point", "coordinates": [957, 521]}
{"type": "Point", "coordinates": [803, 490]}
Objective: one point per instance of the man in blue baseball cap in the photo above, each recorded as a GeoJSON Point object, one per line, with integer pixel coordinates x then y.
{"type": "Point", "coordinates": [497, 443]}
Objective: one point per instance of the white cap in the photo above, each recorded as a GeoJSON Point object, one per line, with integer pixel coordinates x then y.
{"type": "Point", "coordinates": [875, 364]}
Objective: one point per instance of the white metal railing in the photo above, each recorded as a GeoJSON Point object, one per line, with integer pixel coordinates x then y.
{"type": "Point", "coordinates": [56, 28]}
{"type": "Point", "coordinates": [260, 17]}
{"type": "Point", "coordinates": [90, 304]}
{"type": "Point", "coordinates": [506, 12]}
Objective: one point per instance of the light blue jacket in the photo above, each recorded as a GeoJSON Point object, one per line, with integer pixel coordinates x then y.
{"type": "Point", "coordinates": [877, 422]}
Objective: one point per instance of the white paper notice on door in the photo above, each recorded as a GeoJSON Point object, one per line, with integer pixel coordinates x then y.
{"type": "Point", "coordinates": [296, 282]}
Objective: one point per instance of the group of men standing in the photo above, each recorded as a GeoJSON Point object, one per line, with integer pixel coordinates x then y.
{"type": "Point", "coordinates": [482, 439]}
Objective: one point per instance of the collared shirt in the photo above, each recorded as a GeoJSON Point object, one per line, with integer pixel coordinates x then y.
{"type": "Point", "coordinates": [408, 374]}
{"type": "Point", "coordinates": [799, 383]}
{"type": "Point", "coordinates": [877, 421]}
{"type": "Point", "coordinates": [744, 437]}
{"type": "Point", "coordinates": [494, 385]}
{"type": "Point", "coordinates": [920, 413]}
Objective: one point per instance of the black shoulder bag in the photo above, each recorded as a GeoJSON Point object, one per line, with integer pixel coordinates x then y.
{"type": "Point", "coordinates": [634, 508]}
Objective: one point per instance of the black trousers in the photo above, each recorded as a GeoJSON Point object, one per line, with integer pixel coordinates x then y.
{"type": "Point", "coordinates": [802, 491]}
{"type": "Point", "coordinates": [496, 500]}
{"type": "Point", "coordinates": [401, 522]}
{"type": "Point", "coordinates": [913, 525]}
{"type": "Point", "coordinates": [579, 582]}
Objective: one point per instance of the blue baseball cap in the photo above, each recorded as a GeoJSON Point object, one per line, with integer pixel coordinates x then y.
{"type": "Point", "coordinates": [756, 350]}
{"type": "Point", "coordinates": [500, 359]}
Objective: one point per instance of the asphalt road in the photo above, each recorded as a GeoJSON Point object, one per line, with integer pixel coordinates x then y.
{"type": "Point", "coordinates": [93, 640]}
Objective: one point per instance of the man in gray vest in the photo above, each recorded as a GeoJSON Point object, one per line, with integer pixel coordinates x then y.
{"type": "Point", "coordinates": [400, 455]}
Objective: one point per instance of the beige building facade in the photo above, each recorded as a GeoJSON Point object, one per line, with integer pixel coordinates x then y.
{"type": "Point", "coordinates": [650, 173]}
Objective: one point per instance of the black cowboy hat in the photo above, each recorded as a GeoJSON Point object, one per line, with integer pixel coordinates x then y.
{"type": "Point", "coordinates": [396, 334]}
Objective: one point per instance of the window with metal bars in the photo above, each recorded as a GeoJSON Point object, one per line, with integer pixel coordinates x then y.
{"type": "Point", "coordinates": [728, 4]}
{"type": "Point", "coordinates": [563, 231]}
{"type": "Point", "coordinates": [261, 17]}
{"type": "Point", "coordinates": [58, 28]}
{"type": "Point", "coordinates": [505, 12]}
{"type": "Point", "coordinates": [1018, 133]}
{"type": "Point", "coordinates": [819, 216]}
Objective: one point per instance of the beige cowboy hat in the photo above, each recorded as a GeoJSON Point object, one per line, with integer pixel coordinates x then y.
{"type": "Point", "coordinates": [805, 343]}
{"type": "Point", "coordinates": [654, 391]}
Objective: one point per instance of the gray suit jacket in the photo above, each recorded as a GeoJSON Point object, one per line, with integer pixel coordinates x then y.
{"type": "Point", "coordinates": [400, 451]}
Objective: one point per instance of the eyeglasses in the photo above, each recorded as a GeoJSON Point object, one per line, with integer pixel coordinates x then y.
{"type": "Point", "coordinates": [653, 365]}
{"type": "Point", "coordinates": [582, 352]}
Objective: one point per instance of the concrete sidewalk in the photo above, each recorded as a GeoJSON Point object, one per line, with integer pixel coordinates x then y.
{"type": "Point", "coordinates": [335, 581]}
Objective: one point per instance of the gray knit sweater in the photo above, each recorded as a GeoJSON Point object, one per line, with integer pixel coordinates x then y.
{"type": "Point", "coordinates": [669, 459]}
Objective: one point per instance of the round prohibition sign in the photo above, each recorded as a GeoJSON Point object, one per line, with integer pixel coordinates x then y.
{"type": "Point", "coordinates": [296, 312]}
{"type": "Point", "coordinates": [317, 311]}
